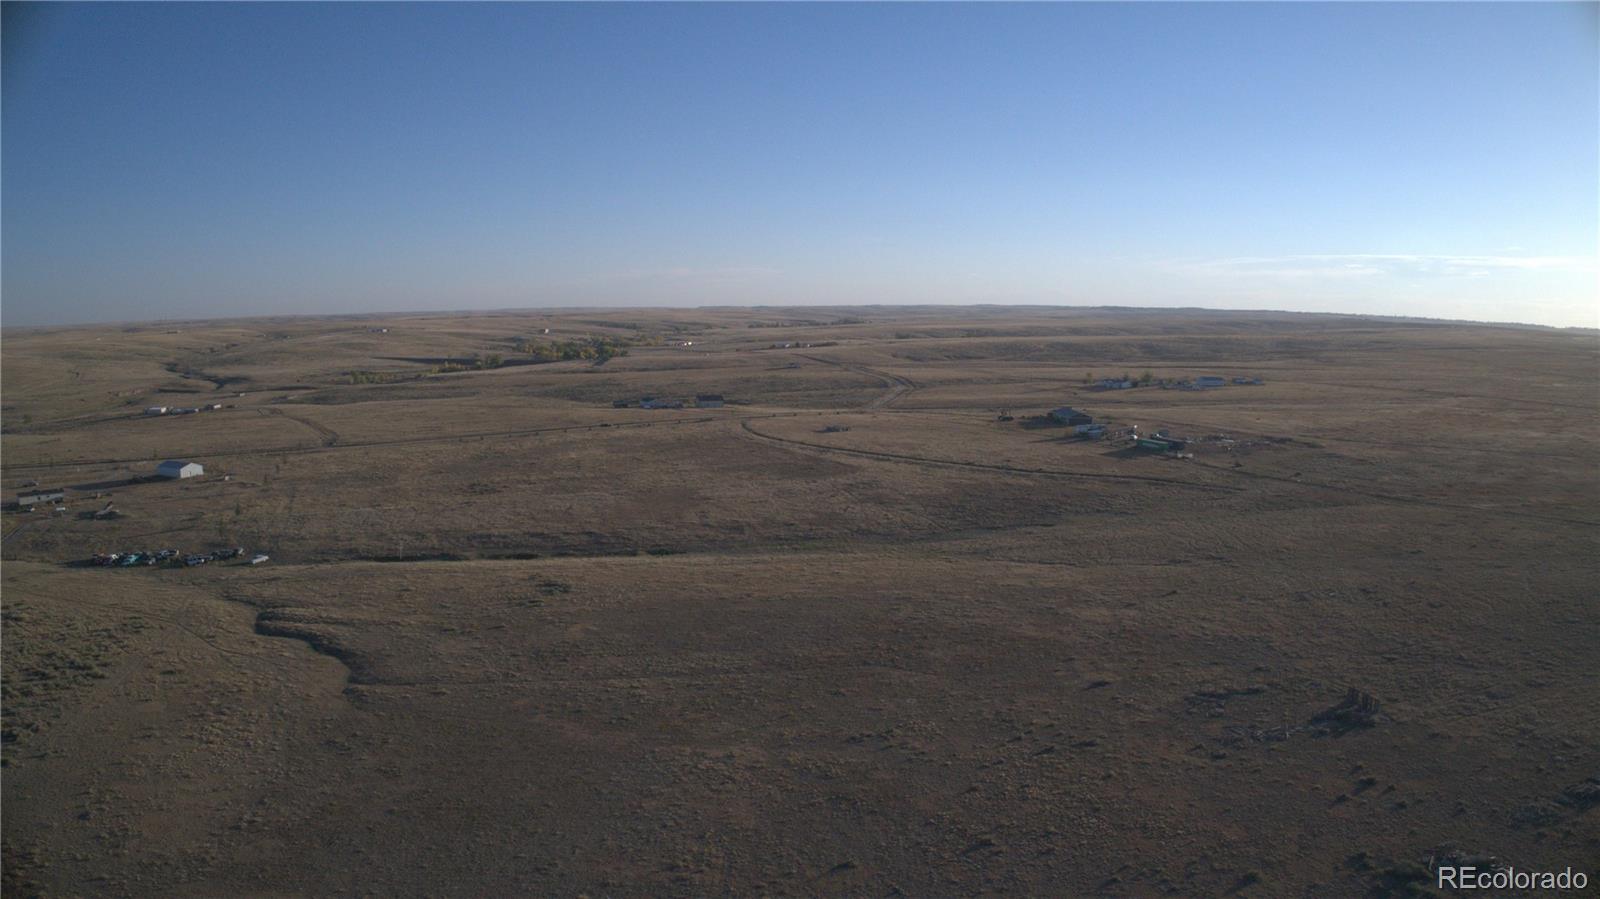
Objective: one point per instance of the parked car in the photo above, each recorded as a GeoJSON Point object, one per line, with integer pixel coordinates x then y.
{"type": "Point", "coordinates": [258, 558]}
{"type": "Point", "coordinates": [131, 559]}
{"type": "Point", "coordinates": [196, 560]}
{"type": "Point", "coordinates": [167, 554]}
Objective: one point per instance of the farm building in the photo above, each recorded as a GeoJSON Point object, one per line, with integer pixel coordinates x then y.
{"type": "Point", "coordinates": [177, 468]}
{"type": "Point", "coordinates": [1209, 381]}
{"type": "Point", "coordinates": [709, 401]}
{"type": "Point", "coordinates": [1069, 416]}
{"type": "Point", "coordinates": [41, 495]}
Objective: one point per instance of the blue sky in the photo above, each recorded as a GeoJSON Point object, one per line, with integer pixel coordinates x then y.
{"type": "Point", "coordinates": [185, 160]}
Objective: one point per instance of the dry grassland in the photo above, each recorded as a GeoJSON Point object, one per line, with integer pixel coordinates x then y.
{"type": "Point", "coordinates": [850, 634]}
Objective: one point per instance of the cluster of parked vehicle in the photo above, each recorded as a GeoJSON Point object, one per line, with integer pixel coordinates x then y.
{"type": "Point", "coordinates": [171, 557]}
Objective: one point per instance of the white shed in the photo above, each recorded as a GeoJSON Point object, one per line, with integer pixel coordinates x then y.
{"type": "Point", "coordinates": [177, 468]}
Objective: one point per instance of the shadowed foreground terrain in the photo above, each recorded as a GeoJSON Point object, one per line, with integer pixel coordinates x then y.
{"type": "Point", "coordinates": [869, 628]}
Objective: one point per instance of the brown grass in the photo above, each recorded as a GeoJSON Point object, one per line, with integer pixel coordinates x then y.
{"type": "Point", "coordinates": [514, 641]}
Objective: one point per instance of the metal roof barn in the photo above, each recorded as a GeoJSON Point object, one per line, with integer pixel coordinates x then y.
{"type": "Point", "coordinates": [177, 468]}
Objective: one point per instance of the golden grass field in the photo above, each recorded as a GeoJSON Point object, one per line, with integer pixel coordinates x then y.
{"type": "Point", "coordinates": [850, 634]}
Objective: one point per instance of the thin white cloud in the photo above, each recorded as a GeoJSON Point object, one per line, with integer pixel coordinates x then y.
{"type": "Point", "coordinates": [682, 274]}
{"type": "Point", "coordinates": [1349, 265]}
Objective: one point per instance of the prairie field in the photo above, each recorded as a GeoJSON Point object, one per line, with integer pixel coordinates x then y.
{"type": "Point", "coordinates": [873, 626]}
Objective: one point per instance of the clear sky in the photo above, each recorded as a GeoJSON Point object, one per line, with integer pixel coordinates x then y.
{"type": "Point", "coordinates": [180, 160]}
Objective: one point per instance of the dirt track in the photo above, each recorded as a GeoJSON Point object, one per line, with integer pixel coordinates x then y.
{"type": "Point", "coordinates": [895, 385]}
{"type": "Point", "coordinates": [1008, 469]}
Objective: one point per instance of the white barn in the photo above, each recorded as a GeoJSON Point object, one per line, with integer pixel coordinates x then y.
{"type": "Point", "coordinates": [177, 468]}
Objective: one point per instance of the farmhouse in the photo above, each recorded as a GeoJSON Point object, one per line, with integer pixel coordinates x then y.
{"type": "Point", "coordinates": [41, 495]}
{"type": "Point", "coordinates": [177, 468]}
{"type": "Point", "coordinates": [1070, 416]}
{"type": "Point", "coordinates": [709, 401]}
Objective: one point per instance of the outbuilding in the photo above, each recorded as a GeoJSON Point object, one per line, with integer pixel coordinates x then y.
{"type": "Point", "coordinates": [177, 468]}
{"type": "Point", "coordinates": [1069, 416]}
{"type": "Point", "coordinates": [40, 496]}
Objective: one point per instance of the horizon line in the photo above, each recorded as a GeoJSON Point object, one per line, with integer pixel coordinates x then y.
{"type": "Point", "coordinates": [62, 326]}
